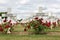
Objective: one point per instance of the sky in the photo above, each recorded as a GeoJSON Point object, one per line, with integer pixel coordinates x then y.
{"type": "Point", "coordinates": [26, 6]}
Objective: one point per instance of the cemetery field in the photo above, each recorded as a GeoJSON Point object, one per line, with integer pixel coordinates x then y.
{"type": "Point", "coordinates": [16, 36]}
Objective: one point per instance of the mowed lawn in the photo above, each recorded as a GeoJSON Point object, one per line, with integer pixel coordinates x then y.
{"type": "Point", "coordinates": [19, 28]}
{"type": "Point", "coordinates": [28, 37]}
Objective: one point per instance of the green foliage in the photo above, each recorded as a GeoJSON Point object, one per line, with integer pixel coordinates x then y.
{"type": "Point", "coordinates": [3, 12]}
{"type": "Point", "coordinates": [38, 27]}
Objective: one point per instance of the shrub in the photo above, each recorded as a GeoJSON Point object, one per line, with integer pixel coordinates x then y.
{"type": "Point", "coordinates": [37, 25]}
{"type": "Point", "coordinates": [6, 27]}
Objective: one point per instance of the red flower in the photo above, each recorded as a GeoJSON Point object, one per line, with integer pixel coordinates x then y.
{"type": "Point", "coordinates": [36, 18]}
{"type": "Point", "coordinates": [9, 21]}
{"type": "Point", "coordinates": [25, 29]}
{"type": "Point", "coordinates": [54, 23]}
{"type": "Point", "coordinates": [40, 21]}
{"type": "Point", "coordinates": [7, 26]}
{"type": "Point", "coordinates": [5, 20]}
{"type": "Point", "coordinates": [48, 24]}
{"type": "Point", "coordinates": [1, 29]}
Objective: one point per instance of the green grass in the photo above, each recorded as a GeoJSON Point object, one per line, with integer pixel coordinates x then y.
{"type": "Point", "coordinates": [56, 29]}
{"type": "Point", "coordinates": [28, 37]}
{"type": "Point", "coordinates": [19, 28]}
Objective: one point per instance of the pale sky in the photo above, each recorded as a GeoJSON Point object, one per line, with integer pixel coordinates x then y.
{"type": "Point", "coordinates": [23, 6]}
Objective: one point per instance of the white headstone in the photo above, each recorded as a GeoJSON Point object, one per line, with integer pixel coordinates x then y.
{"type": "Point", "coordinates": [9, 10]}
{"type": "Point", "coordinates": [40, 10]}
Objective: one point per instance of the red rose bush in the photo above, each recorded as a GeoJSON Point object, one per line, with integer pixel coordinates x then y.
{"type": "Point", "coordinates": [6, 26]}
{"type": "Point", "coordinates": [37, 25]}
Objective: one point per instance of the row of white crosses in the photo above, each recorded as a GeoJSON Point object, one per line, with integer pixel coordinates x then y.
{"type": "Point", "coordinates": [39, 14]}
{"type": "Point", "coordinates": [48, 16]}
